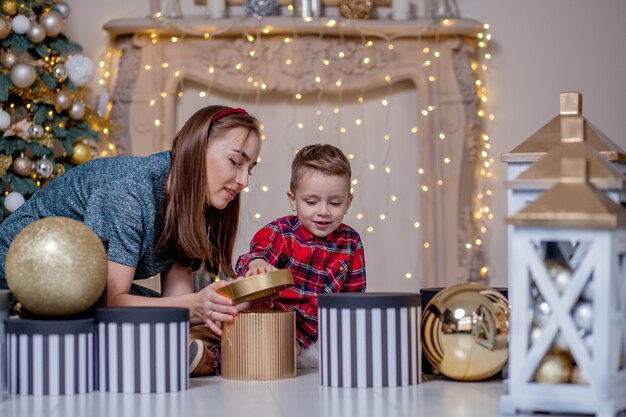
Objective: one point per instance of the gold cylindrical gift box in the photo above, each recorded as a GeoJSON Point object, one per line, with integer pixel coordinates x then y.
{"type": "Point", "coordinates": [260, 345]}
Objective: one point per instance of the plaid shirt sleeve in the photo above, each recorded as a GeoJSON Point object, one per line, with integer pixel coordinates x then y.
{"type": "Point", "coordinates": [356, 279]}
{"type": "Point", "coordinates": [268, 244]}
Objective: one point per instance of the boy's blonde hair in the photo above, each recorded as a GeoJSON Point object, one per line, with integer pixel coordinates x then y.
{"type": "Point", "coordinates": [327, 159]}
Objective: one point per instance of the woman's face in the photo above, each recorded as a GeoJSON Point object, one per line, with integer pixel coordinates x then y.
{"type": "Point", "coordinates": [230, 159]}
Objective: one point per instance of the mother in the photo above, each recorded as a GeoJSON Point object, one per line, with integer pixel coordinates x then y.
{"type": "Point", "coordinates": [168, 213]}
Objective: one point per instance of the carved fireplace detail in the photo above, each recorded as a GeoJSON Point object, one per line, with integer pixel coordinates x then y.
{"type": "Point", "coordinates": [447, 217]}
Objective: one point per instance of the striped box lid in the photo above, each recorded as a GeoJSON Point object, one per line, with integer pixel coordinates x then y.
{"type": "Point", "coordinates": [354, 300]}
{"type": "Point", "coordinates": [141, 314]}
{"type": "Point", "coordinates": [49, 327]}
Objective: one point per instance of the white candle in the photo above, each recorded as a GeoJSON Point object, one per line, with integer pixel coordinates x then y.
{"type": "Point", "coordinates": [155, 7]}
{"type": "Point", "coordinates": [216, 9]}
{"type": "Point", "coordinates": [400, 9]}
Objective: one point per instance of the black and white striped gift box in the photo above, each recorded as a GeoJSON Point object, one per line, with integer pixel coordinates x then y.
{"type": "Point", "coordinates": [142, 349]}
{"type": "Point", "coordinates": [369, 339]}
{"type": "Point", "coordinates": [46, 357]}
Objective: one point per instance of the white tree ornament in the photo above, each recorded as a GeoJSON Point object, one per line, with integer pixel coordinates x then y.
{"type": "Point", "coordinates": [13, 201]}
{"type": "Point", "coordinates": [80, 69]}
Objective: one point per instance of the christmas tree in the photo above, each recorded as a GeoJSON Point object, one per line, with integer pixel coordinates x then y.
{"type": "Point", "coordinates": [45, 126]}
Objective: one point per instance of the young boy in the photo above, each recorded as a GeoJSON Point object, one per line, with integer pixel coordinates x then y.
{"type": "Point", "coordinates": [323, 254]}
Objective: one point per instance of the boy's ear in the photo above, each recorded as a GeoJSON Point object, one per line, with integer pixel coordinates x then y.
{"type": "Point", "coordinates": [292, 200]}
{"type": "Point", "coordinates": [350, 197]}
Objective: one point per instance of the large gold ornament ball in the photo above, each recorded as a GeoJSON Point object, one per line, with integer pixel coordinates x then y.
{"type": "Point", "coordinates": [9, 7]}
{"type": "Point", "coordinates": [81, 153]}
{"type": "Point", "coordinates": [465, 330]}
{"type": "Point", "coordinates": [56, 267]}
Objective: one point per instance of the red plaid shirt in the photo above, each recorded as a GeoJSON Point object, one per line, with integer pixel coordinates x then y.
{"type": "Point", "coordinates": [332, 264]}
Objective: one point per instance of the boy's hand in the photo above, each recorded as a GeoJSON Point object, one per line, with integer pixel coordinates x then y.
{"type": "Point", "coordinates": [259, 266]}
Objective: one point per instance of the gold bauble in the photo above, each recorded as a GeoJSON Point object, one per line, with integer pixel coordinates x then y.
{"type": "Point", "coordinates": [60, 169]}
{"type": "Point", "coordinates": [5, 27]}
{"type": "Point", "coordinates": [58, 150]}
{"type": "Point", "coordinates": [356, 9]}
{"type": "Point", "coordinates": [81, 153]}
{"type": "Point", "coordinates": [23, 166]}
{"type": "Point", "coordinates": [9, 58]}
{"type": "Point", "coordinates": [465, 331]}
{"type": "Point", "coordinates": [578, 377]}
{"type": "Point", "coordinates": [555, 368]}
{"type": "Point", "coordinates": [62, 101]}
{"type": "Point", "coordinates": [5, 164]}
{"type": "Point", "coordinates": [56, 267]}
{"type": "Point", "coordinates": [9, 7]}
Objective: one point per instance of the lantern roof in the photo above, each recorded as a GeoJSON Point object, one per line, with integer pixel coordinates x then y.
{"type": "Point", "coordinates": [548, 170]}
{"type": "Point", "coordinates": [549, 136]}
{"type": "Point", "coordinates": [573, 202]}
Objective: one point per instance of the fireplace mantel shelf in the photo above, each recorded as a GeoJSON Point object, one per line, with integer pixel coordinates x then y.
{"type": "Point", "coordinates": [200, 25]}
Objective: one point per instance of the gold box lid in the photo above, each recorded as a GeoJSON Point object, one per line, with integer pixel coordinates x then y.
{"type": "Point", "coordinates": [257, 286]}
{"type": "Point", "coordinates": [549, 136]}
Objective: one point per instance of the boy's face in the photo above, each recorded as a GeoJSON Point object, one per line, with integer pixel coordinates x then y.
{"type": "Point", "coordinates": [321, 201]}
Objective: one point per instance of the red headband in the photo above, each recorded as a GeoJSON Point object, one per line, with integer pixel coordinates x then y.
{"type": "Point", "coordinates": [227, 112]}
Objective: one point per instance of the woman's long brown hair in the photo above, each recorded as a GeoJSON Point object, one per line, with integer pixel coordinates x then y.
{"type": "Point", "coordinates": [193, 230]}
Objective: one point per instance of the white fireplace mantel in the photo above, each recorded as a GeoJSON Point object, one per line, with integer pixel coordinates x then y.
{"type": "Point", "coordinates": [222, 45]}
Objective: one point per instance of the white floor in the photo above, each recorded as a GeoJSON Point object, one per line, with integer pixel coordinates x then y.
{"type": "Point", "coordinates": [302, 396]}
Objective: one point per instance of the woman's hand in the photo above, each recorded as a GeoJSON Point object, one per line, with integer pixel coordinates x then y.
{"type": "Point", "coordinates": [214, 308]}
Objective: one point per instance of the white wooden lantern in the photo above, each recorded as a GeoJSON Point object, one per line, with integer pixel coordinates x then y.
{"type": "Point", "coordinates": [568, 309]}
{"type": "Point", "coordinates": [547, 171]}
{"type": "Point", "coordinates": [540, 142]}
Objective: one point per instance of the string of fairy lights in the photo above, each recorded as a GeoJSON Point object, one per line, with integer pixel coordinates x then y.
{"type": "Point", "coordinates": [330, 116]}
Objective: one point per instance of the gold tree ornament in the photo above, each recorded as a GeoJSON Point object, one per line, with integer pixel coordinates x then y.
{"type": "Point", "coordinates": [9, 58]}
{"type": "Point", "coordinates": [555, 368]}
{"type": "Point", "coordinates": [23, 75]}
{"type": "Point", "coordinates": [56, 267]}
{"type": "Point", "coordinates": [9, 7]}
{"type": "Point", "coordinates": [23, 166]}
{"type": "Point", "coordinates": [356, 9]}
{"type": "Point", "coordinates": [5, 164]}
{"type": "Point", "coordinates": [62, 101]}
{"type": "Point", "coordinates": [5, 27]}
{"type": "Point", "coordinates": [81, 153]}
{"type": "Point", "coordinates": [36, 33]}
{"type": "Point", "coordinates": [52, 21]}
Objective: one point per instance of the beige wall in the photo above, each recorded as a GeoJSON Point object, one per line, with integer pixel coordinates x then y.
{"type": "Point", "coordinates": [540, 48]}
